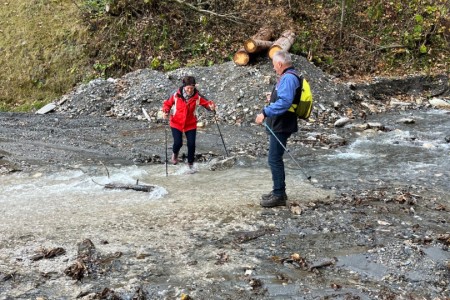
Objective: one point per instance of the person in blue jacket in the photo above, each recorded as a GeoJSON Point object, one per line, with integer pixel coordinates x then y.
{"type": "Point", "coordinates": [282, 123]}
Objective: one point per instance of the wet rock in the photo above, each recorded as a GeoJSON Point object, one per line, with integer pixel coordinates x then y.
{"type": "Point", "coordinates": [215, 164]}
{"type": "Point", "coordinates": [359, 127]}
{"type": "Point", "coordinates": [440, 103]}
{"type": "Point", "coordinates": [341, 122]}
{"type": "Point", "coordinates": [47, 108]}
{"type": "Point", "coordinates": [406, 121]}
{"type": "Point", "coordinates": [8, 166]}
{"type": "Point", "coordinates": [375, 125]}
{"type": "Point", "coordinates": [372, 108]}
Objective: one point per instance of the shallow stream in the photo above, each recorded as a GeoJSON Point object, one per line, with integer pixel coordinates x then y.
{"type": "Point", "coordinates": [181, 237]}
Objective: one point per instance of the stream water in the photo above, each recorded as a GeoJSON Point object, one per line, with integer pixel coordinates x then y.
{"type": "Point", "coordinates": [409, 154]}
{"type": "Point", "coordinates": [178, 226]}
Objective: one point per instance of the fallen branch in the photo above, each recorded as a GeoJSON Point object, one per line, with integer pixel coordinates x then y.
{"type": "Point", "coordinates": [363, 39]}
{"type": "Point", "coordinates": [393, 46]}
{"type": "Point", "coordinates": [229, 17]}
{"type": "Point", "coordinates": [136, 187]}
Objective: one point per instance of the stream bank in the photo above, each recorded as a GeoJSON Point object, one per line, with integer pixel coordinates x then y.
{"type": "Point", "coordinates": [372, 223]}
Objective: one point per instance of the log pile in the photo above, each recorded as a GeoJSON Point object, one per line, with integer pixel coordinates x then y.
{"type": "Point", "coordinates": [284, 42]}
{"type": "Point", "coordinates": [262, 41]}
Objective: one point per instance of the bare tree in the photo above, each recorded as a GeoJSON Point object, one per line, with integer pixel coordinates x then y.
{"type": "Point", "coordinates": [342, 20]}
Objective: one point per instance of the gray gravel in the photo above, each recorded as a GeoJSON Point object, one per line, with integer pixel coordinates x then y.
{"type": "Point", "coordinates": [101, 123]}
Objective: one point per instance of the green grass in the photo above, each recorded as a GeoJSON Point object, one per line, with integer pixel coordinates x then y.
{"type": "Point", "coordinates": [41, 51]}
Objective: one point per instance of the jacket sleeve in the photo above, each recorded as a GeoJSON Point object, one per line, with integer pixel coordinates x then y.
{"type": "Point", "coordinates": [205, 102]}
{"type": "Point", "coordinates": [167, 105]}
{"type": "Point", "coordinates": [286, 93]}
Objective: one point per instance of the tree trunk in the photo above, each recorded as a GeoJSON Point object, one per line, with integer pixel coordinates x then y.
{"type": "Point", "coordinates": [241, 57]}
{"type": "Point", "coordinates": [284, 42]}
{"type": "Point", "coordinates": [253, 46]}
{"type": "Point", "coordinates": [260, 41]}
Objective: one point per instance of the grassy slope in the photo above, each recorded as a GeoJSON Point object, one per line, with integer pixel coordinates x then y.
{"type": "Point", "coordinates": [41, 55]}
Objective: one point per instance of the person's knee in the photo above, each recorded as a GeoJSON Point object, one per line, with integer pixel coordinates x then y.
{"type": "Point", "coordinates": [276, 162]}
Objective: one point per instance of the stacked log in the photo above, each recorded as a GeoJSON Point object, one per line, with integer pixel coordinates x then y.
{"type": "Point", "coordinates": [284, 42]}
{"type": "Point", "coordinates": [241, 57]}
{"type": "Point", "coordinates": [254, 46]}
{"type": "Point", "coordinates": [258, 42]}
{"type": "Point", "coordinates": [261, 41]}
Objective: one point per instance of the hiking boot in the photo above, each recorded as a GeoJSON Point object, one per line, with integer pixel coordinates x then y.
{"type": "Point", "coordinates": [273, 200]}
{"type": "Point", "coordinates": [267, 196]}
{"type": "Point", "coordinates": [174, 158]}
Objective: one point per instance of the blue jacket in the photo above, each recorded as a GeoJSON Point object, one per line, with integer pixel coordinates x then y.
{"type": "Point", "coordinates": [279, 119]}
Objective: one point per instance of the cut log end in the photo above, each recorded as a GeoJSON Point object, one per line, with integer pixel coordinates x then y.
{"type": "Point", "coordinates": [250, 46]}
{"type": "Point", "coordinates": [253, 46]}
{"type": "Point", "coordinates": [284, 42]}
{"type": "Point", "coordinates": [241, 58]}
{"type": "Point", "coordinates": [274, 49]}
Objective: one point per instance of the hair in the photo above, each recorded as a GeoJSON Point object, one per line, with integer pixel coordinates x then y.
{"type": "Point", "coordinates": [188, 80]}
{"type": "Point", "coordinates": [282, 56]}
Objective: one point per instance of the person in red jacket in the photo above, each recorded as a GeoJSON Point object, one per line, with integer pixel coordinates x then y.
{"type": "Point", "coordinates": [182, 106]}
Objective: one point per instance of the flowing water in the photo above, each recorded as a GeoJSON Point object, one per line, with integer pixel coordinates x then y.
{"type": "Point", "coordinates": [410, 154]}
{"type": "Point", "coordinates": [170, 236]}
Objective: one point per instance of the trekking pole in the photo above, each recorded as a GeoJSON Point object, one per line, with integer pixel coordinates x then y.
{"type": "Point", "coordinates": [167, 161]}
{"type": "Point", "coordinates": [223, 142]}
{"type": "Point", "coordinates": [287, 150]}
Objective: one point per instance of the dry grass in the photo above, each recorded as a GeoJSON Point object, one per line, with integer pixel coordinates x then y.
{"type": "Point", "coordinates": [41, 51]}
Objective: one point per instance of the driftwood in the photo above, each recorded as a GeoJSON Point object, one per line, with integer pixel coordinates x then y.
{"type": "Point", "coordinates": [241, 57]}
{"type": "Point", "coordinates": [284, 42]}
{"type": "Point", "coordinates": [260, 41]}
{"type": "Point", "coordinates": [136, 187]}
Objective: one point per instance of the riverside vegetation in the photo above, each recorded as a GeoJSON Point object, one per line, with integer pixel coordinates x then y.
{"type": "Point", "coordinates": [47, 47]}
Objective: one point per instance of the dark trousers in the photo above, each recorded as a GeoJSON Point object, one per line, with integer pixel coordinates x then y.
{"type": "Point", "coordinates": [178, 142]}
{"type": "Point", "coordinates": [276, 164]}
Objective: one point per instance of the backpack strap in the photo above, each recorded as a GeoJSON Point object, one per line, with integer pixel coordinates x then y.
{"type": "Point", "coordinates": [296, 101]}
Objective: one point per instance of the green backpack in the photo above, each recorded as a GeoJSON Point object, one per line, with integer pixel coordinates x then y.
{"type": "Point", "coordinates": [302, 106]}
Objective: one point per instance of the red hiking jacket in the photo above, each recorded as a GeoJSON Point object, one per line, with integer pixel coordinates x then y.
{"type": "Point", "coordinates": [184, 112]}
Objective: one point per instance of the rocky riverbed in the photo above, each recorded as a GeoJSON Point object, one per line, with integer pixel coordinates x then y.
{"type": "Point", "coordinates": [204, 236]}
